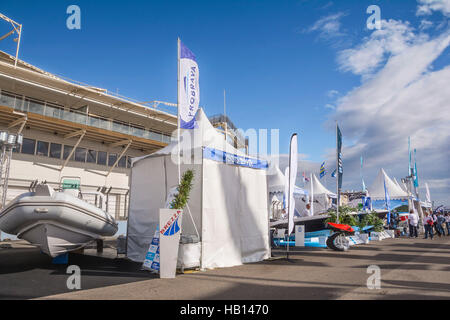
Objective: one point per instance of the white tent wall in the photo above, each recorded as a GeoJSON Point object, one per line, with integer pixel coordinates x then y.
{"type": "Point", "coordinates": [147, 195]}
{"type": "Point", "coordinates": [152, 178]}
{"type": "Point", "coordinates": [235, 227]}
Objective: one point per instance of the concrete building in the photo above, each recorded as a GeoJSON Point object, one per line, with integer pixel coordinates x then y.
{"type": "Point", "coordinates": [71, 129]}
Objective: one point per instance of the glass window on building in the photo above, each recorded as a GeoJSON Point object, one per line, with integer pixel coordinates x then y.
{"type": "Point", "coordinates": [112, 159]}
{"type": "Point", "coordinates": [122, 162]}
{"type": "Point", "coordinates": [67, 151]}
{"type": "Point", "coordinates": [101, 158]}
{"type": "Point", "coordinates": [80, 154]}
{"type": "Point", "coordinates": [28, 146]}
{"type": "Point", "coordinates": [42, 148]}
{"type": "Point", "coordinates": [91, 156]}
{"type": "Point", "coordinates": [55, 150]}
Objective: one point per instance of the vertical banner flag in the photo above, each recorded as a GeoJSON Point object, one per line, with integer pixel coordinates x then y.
{"type": "Point", "coordinates": [409, 154]}
{"type": "Point", "coordinates": [188, 87]}
{"type": "Point", "coordinates": [416, 178]}
{"type": "Point", "coordinates": [427, 196]}
{"type": "Point", "coordinates": [292, 176]}
{"type": "Point", "coordinates": [322, 170]}
{"type": "Point", "coordinates": [362, 179]}
{"type": "Point", "coordinates": [387, 200]}
{"type": "Point", "coordinates": [286, 188]}
{"type": "Point", "coordinates": [340, 169]}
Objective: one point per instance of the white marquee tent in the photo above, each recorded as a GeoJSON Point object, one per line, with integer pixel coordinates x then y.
{"type": "Point", "coordinates": [322, 196]}
{"type": "Point", "coordinates": [376, 190]}
{"type": "Point", "coordinates": [228, 201]}
{"type": "Point", "coordinates": [276, 189]}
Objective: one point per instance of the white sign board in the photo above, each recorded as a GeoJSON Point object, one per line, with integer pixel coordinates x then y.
{"type": "Point", "coordinates": [299, 236]}
{"type": "Point", "coordinates": [169, 241]}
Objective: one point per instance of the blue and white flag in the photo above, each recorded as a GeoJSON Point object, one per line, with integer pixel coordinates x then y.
{"type": "Point", "coordinates": [388, 200]}
{"type": "Point", "coordinates": [188, 87]}
{"type": "Point", "coordinates": [416, 179]}
{"type": "Point", "coordinates": [322, 170]}
{"type": "Point", "coordinates": [333, 174]}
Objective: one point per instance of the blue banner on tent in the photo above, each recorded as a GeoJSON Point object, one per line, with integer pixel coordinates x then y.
{"type": "Point", "coordinates": [229, 158]}
{"type": "Point", "coordinates": [393, 203]}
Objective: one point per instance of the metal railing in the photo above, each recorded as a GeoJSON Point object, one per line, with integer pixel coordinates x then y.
{"type": "Point", "coordinates": [27, 104]}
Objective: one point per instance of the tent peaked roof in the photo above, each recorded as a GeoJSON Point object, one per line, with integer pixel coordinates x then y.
{"type": "Point", "coordinates": [319, 187]}
{"type": "Point", "coordinates": [376, 190]}
{"type": "Point", "coordinates": [402, 186]}
{"type": "Point", "coordinates": [276, 183]}
{"type": "Point", "coordinates": [203, 135]}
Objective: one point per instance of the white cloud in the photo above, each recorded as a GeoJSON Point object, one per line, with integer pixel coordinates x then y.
{"type": "Point", "coordinates": [393, 37]}
{"type": "Point", "coordinates": [329, 26]}
{"type": "Point", "coordinates": [330, 106]}
{"type": "Point", "coordinates": [332, 93]}
{"type": "Point", "coordinates": [426, 7]}
{"type": "Point", "coordinates": [402, 96]}
{"type": "Point", "coordinates": [425, 24]}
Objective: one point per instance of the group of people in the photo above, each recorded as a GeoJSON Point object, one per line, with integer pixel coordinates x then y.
{"type": "Point", "coordinates": [431, 220]}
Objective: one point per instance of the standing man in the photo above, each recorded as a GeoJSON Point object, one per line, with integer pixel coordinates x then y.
{"type": "Point", "coordinates": [428, 225]}
{"type": "Point", "coordinates": [413, 222]}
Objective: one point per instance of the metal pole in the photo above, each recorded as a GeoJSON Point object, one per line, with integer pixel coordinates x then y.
{"type": "Point", "coordinates": [337, 180]}
{"type": "Point", "coordinates": [178, 113]}
{"type": "Point", "coordinates": [18, 45]}
{"type": "Point", "coordinates": [5, 181]}
{"type": "Point", "coordinates": [225, 113]}
{"type": "Point", "coordinates": [312, 196]}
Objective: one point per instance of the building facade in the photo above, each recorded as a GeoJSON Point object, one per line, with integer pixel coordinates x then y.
{"type": "Point", "coordinates": [75, 130]}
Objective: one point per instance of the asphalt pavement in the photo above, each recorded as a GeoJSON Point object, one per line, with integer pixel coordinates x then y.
{"type": "Point", "coordinates": [409, 269]}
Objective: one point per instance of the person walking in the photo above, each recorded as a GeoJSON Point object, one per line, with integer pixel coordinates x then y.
{"type": "Point", "coordinates": [447, 223]}
{"type": "Point", "coordinates": [413, 222]}
{"type": "Point", "coordinates": [435, 224]}
{"type": "Point", "coordinates": [428, 225]}
{"type": "Point", "coordinates": [440, 220]}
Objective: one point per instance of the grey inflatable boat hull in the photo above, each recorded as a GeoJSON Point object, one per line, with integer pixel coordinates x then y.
{"type": "Point", "coordinates": [57, 222]}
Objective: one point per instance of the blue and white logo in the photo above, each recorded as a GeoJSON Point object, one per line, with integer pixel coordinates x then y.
{"type": "Point", "coordinates": [173, 229]}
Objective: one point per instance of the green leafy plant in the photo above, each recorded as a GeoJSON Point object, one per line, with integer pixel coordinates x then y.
{"type": "Point", "coordinates": [372, 219]}
{"type": "Point", "coordinates": [344, 216]}
{"type": "Point", "coordinates": [184, 189]}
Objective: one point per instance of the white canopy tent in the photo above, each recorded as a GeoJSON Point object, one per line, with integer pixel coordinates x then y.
{"type": "Point", "coordinates": [228, 201]}
{"type": "Point", "coordinates": [276, 189]}
{"type": "Point", "coordinates": [322, 196]}
{"type": "Point", "coordinates": [376, 190]}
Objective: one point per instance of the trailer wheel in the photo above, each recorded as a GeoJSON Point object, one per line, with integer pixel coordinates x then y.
{"type": "Point", "coordinates": [338, 242]}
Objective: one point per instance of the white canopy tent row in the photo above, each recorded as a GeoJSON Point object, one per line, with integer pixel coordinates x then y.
{"type": "Point", "coordinates": [227, 208]}
{"type": "Point", "coordinates": [323, 198]}
{"type": "Point", "coordinates": [276, 183]}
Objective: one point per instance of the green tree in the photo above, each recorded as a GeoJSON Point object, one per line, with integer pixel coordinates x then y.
{"type": "Point", "coordinates": [184, 189]}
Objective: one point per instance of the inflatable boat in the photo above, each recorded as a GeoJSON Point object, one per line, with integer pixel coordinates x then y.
{"type": "Point", "coordinates": [56, 221]}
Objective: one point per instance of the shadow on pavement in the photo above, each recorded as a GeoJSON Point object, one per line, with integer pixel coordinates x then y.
{"type": "Point", "coordinates": [26, 273]}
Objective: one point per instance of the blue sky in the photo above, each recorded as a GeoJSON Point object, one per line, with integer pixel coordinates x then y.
{"type": "Point", "coordinates": [278, 60]}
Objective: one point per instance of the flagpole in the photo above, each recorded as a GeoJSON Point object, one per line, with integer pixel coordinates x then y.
{"type": "Point", "coordinates": [178, 110]}
{"type": "Point", "coordinates": [337, 180]}
{"type": "Point", "coordinates": [312, 196]}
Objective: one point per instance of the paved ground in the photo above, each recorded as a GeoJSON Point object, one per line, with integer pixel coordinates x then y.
{"type": "Point", "coordinates": [410, 269]}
